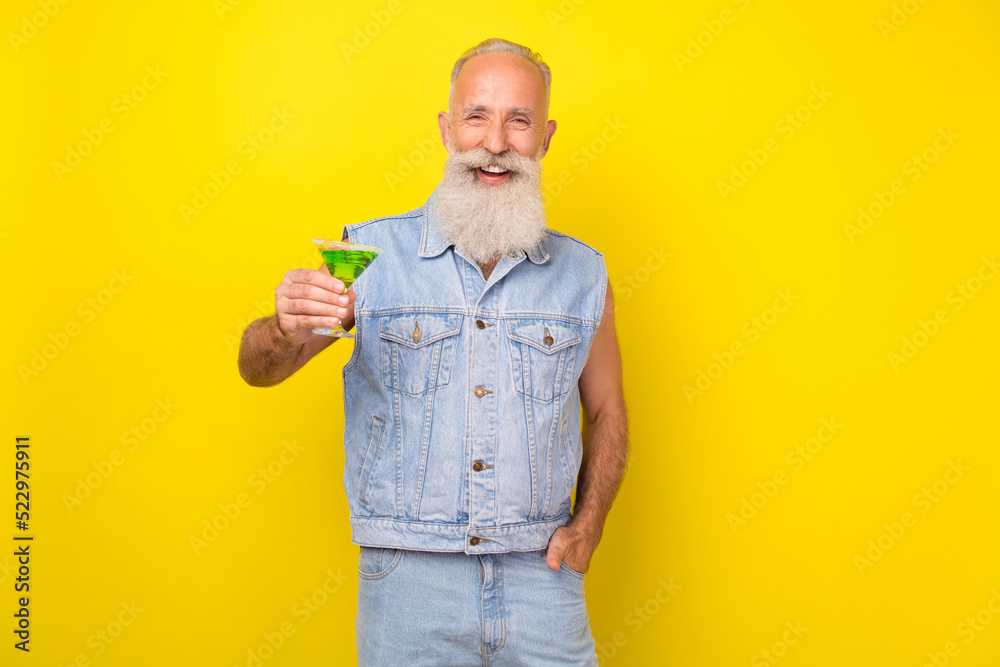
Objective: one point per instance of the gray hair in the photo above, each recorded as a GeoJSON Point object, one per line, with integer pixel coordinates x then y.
{"type": "Point", "coordinates": [498, 45]}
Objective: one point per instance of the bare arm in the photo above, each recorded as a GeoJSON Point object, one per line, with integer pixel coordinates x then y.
{"type": "Point", "coordinates": [605, 449]}
{"type": "Point", "coordinates": [605, 429]}
{"type": "Point", "coordinates": [275, 347]}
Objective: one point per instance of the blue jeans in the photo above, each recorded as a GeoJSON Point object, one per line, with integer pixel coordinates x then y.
{"type": "Point", "coordinates": [451, 608]}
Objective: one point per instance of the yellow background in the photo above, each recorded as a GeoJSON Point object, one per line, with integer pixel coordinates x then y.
{"type": "Point", "coordinates": [170, 332]}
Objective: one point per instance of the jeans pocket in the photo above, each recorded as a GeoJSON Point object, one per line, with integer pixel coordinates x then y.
{"type": "Point", "coordinates": [378, 562]}
{"type": "Point", "coordinates": [574, 573]}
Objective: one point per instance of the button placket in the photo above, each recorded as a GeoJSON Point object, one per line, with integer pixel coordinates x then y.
{"type": "Point", "coordinates": [483, 406]}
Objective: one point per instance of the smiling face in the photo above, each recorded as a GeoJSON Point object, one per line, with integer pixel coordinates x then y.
{"type": "Point", "coordinates": [498, 103]}
{"type": "Point", "coordinates": [490, 198]}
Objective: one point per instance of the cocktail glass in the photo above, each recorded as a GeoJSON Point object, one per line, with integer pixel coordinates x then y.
{"type": "Point", "coordinates": [346, 261]}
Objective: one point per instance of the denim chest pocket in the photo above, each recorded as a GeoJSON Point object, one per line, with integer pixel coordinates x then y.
{"type": "Point", "coordinates": [418, 350]}
{"type": "Point", "coordinates": [543, 356]}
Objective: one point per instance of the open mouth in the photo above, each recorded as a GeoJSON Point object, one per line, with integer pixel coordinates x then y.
{"type": "Point", "coordinates": [492, 174]}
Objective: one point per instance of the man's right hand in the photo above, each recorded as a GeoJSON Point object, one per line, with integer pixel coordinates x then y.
{"type": "Point", "coordinates": [308, 299]}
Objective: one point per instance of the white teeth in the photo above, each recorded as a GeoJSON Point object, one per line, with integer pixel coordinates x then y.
{"type": "Point", "coordinates": [494, 170]}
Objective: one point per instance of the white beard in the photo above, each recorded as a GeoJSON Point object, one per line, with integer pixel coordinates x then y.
{"type": "Point", "coordinates": [488, 220]}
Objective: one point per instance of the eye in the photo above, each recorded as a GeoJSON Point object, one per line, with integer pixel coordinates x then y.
{"type": "Point", "coordinates": [522, 120]}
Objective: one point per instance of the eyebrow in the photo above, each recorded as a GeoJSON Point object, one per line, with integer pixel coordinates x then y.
{"type": "Point", "coordinates": [524, 111]}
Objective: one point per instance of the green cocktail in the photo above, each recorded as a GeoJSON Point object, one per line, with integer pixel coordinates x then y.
{"type": "Point", "coordinates": [345, 261]}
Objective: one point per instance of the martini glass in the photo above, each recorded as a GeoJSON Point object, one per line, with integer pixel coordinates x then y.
{"type": "Point", "coordinates": [346, 261]}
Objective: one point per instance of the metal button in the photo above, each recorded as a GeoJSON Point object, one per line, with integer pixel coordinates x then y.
{"type": "Point", "coordinates": [477, 466]}
{"type": "Point", "coordinates": [480, 324]}
{"type": "Point", "coordinates": [480, 392]}
{"type": "Point", "coordinates": [548, 340]}
{"type": "Point", "coordinates": [474, 541]}
{"type": "Point", "coordinates": [416, 332]}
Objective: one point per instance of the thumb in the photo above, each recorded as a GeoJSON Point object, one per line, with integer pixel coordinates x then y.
{"type": "Point", "coordinates": [557, 549]}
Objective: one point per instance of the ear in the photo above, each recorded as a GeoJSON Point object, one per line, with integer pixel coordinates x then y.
{"type": "Point", "coordinates": [550, 129]}
{"type": "Point", "coordinates": [445, 124]}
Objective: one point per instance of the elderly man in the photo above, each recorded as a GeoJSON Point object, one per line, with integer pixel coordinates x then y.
{"type": "Point", "coordinates": [479, 331]}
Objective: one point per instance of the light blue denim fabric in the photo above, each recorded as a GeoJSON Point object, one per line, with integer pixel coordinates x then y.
{"type": "Point", "coordinates": [420, 608]}
{"type": "Point", "coordinates": [461, 402]}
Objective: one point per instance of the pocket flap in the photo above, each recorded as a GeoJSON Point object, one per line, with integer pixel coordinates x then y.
{"type": "Point", "coordinates": [419, 329]}
{"type": "Point", "coordinates": [549, 336]}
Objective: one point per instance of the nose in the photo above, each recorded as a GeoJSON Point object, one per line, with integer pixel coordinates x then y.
{"type": "Point", "coordinates": [496, 137]}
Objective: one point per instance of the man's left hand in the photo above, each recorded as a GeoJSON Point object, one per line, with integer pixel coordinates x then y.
{"type": "Point", "coordinates": [573, 545]}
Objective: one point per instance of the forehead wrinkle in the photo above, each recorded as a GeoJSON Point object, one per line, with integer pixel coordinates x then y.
{"type": "Point", "coordinates": [478, 106]}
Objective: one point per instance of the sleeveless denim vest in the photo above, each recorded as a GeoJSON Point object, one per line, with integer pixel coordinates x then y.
{"type": "Point", "coordinates": [461, 403]}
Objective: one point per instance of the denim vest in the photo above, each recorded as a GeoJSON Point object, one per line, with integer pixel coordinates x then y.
{"type": "Point", "coordinates": [461, 398]}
